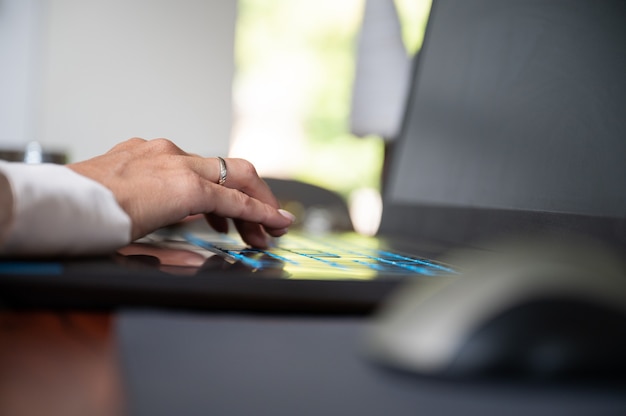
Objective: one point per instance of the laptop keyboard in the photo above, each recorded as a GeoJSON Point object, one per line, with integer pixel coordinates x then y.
{"type": "Point", "coordinates": [357, 258]}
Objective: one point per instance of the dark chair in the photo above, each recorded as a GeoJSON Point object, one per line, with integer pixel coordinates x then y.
{"type": "Point", "coordinates": [316, 209]}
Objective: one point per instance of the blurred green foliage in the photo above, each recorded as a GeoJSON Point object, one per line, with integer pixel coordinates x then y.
{"type": "Point", "coordinates": [316, 40]}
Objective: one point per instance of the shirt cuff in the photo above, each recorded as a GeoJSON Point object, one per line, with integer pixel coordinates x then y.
{"type": "Point", "coordinates": [57, 211]}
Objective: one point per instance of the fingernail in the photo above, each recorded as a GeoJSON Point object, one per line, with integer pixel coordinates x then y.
{"type": "Point", "coordinates": [287, 215]}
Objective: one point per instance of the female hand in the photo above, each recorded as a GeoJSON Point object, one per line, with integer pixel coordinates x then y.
{"type": "Point", "coordinates": [158, 184]}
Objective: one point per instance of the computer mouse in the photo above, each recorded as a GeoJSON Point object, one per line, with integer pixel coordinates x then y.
{"type": "Point", "coordinates": [535, 310]}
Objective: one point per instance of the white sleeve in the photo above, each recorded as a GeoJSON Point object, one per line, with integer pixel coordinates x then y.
{"type": "Point", "coordinates": [48, 209]}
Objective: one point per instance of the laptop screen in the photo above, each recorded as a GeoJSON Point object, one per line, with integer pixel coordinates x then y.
{"type": "Point", "coordinates": [516, 106]}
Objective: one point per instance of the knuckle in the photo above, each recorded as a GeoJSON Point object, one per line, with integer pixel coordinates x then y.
{"type": "Point", "coordinates": [246, 168]}
{"type": "Point", "coordinates": [135, 140]}
{"type": "Point", "coordinates": [162, 145]}
{"type": "Point", "coordinates": [127, 144]}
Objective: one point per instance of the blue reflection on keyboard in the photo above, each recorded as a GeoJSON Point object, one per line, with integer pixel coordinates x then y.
{"type": "Point", "coordinates": [319, 254]}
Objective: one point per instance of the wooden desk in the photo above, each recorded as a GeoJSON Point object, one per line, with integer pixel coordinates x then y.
{"type": "Point", "coordinates": [54, 363]}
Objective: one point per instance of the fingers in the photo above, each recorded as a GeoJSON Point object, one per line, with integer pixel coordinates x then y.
{"type": "Point", "coordinates": [219, 224]}
{"type": "Point", "coordinates": [256, 235]}
{"type": "Point", "coordinates": [252, 234]}
{"type": "Point", "coordinates": [231, 203]}
{"type": "Point", "coordinates": [244, 187]}
{"type": "Point", "coordinates": [251, 215]}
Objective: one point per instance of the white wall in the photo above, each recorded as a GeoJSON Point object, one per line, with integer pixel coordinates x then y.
{"type": "Point", "coordinates": [114, 69]}
{"type": "Point", "coordinates": [19, 61]}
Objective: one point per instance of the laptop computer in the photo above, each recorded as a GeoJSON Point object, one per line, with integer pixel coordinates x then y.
{"type": "Point", "coordinates": [514, 125]}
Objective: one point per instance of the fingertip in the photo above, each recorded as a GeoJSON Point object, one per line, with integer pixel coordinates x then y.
{"type": "Point", "coordinates": [257, 240]}
{"type": "Point", "coordinates": [252, 234]}
{"type": "Point", "coordinates": [287, 215]}
{"type": "Point", "coordinates": [219, 224]}
{"type": "Point", "coordinates": [277, 232]}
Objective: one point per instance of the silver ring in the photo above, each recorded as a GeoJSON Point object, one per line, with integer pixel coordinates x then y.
{"type": "Point", "coordinates": [223, 171]}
